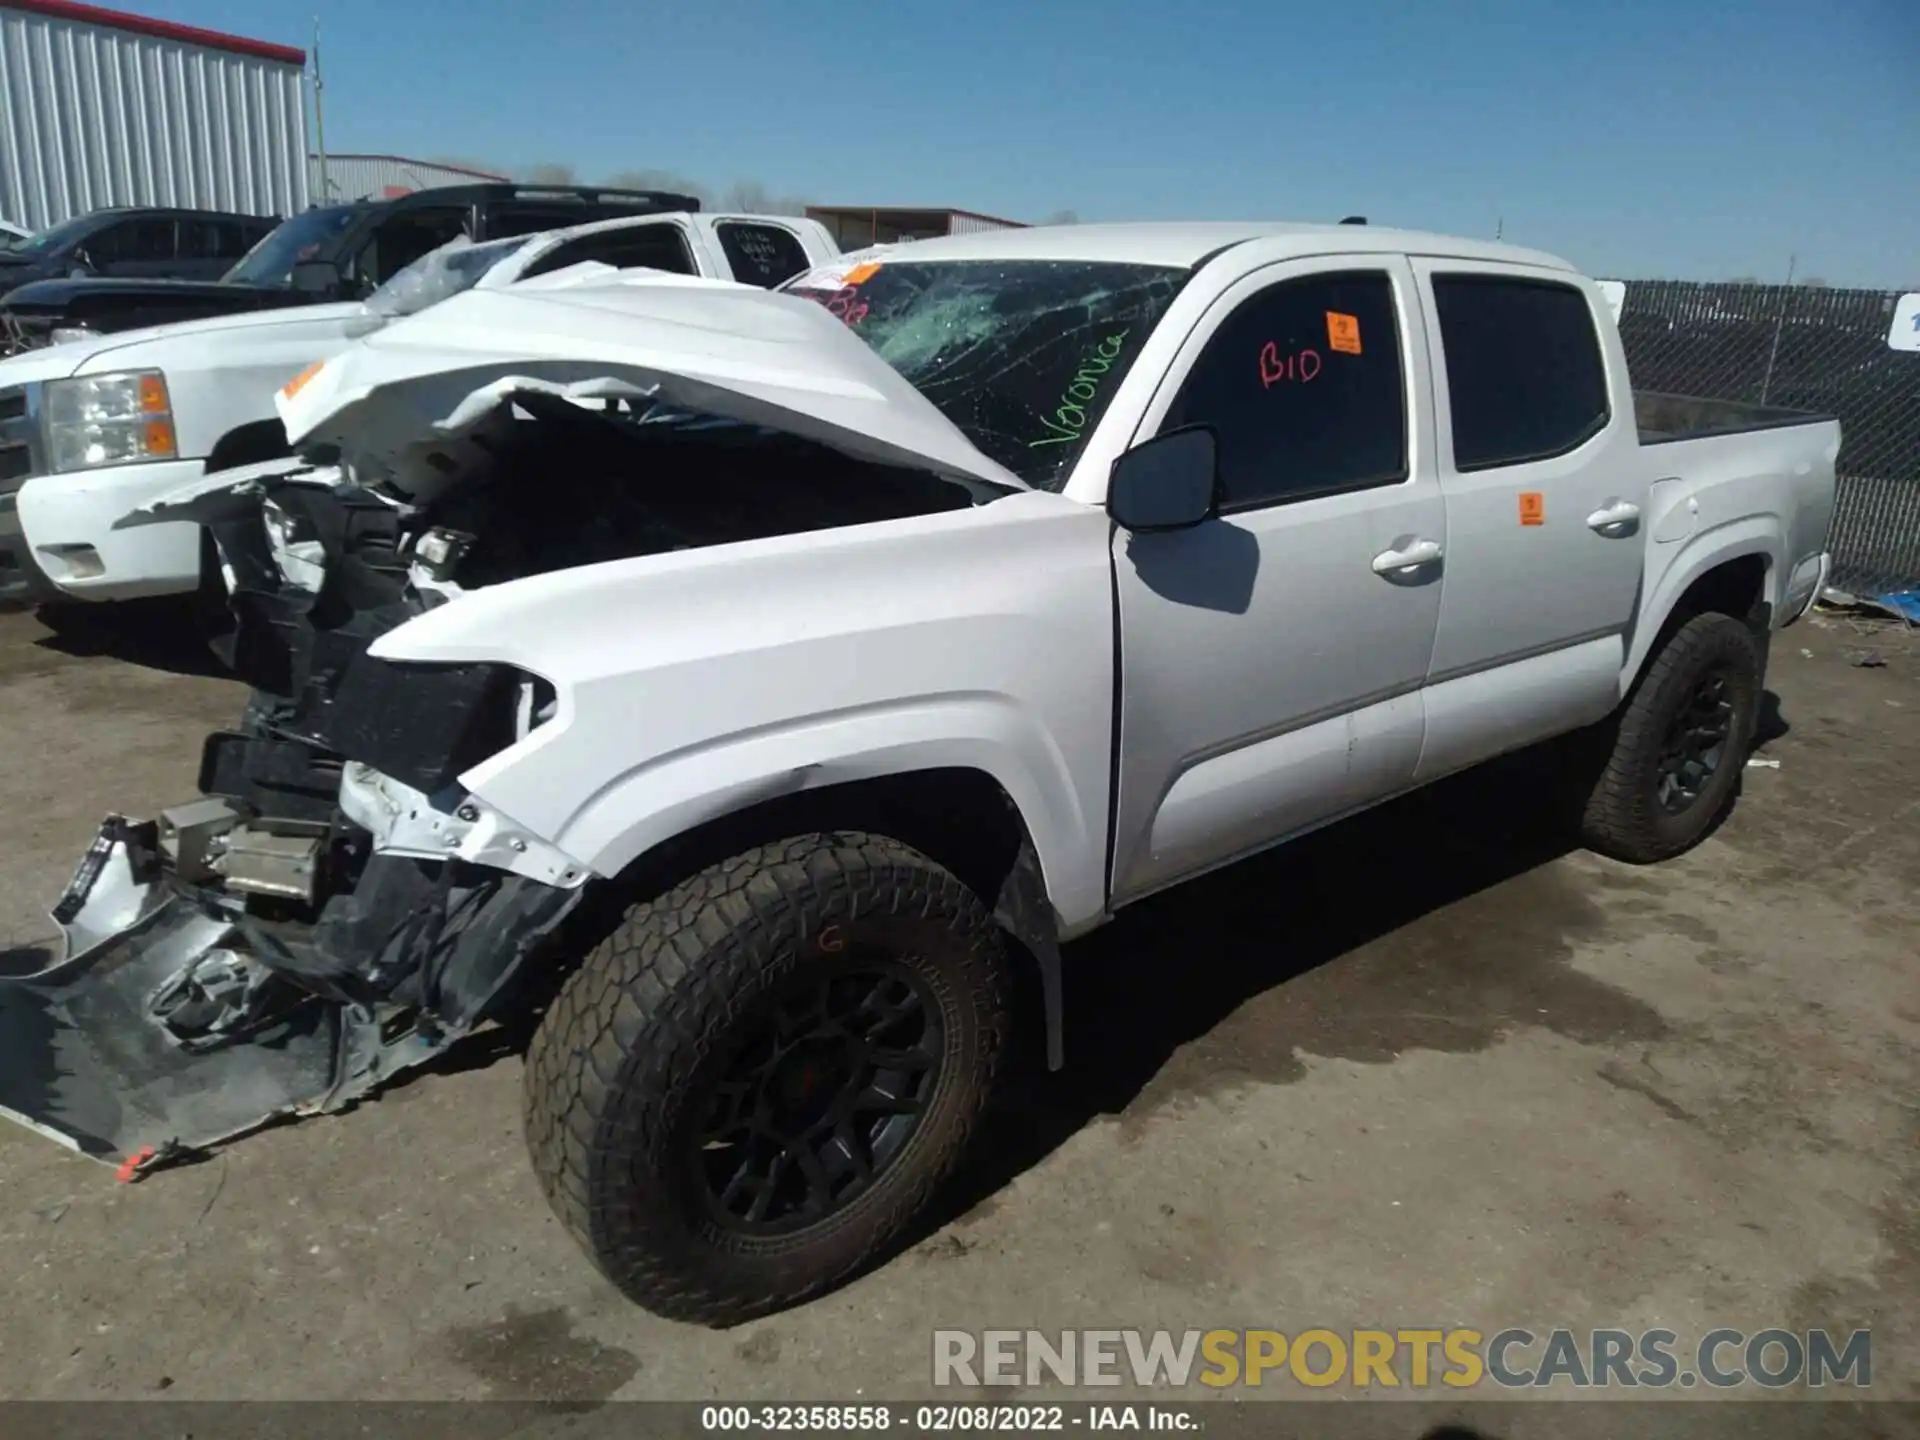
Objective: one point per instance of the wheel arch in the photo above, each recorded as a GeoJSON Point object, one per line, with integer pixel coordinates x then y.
{"type": "Point", "coordinates": [249, 444]}
{"type": "Point", "coordinates": [1733, 571]}
{"type": "Point", "coordinates": [958, 816]}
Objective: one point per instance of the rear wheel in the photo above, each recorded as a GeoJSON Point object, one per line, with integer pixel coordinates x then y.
{"type": "Point", "coordinates": [1680, 743]}
{"type": "Point", "coordinates": [760, 1078]}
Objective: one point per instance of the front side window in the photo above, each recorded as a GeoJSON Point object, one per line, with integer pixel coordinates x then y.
{"type": "Point", "coordinates": [1525, 378]}
{"type": "Point", "coordinates": [763, 255]}
{"type": "Point", "coordinates": [1022, 356]}
{"type": "Point", "coordinates": [237, 237]}
{"type": "Point", "coordinates": [1303, 387]}
{"type": "Point", "coordinates": [306, 236]}
{"type": "Point", "coordinates": [439, 274]}
{"type": "Point", "coordinates": [403, 238]}
{"type": "Point", "coordinates": [57, 238]}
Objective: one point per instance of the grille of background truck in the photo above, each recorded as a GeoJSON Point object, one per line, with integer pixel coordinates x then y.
{"type": "Point", "coordinates": [1807, 348]}
{"type": "Point", "coordinates": [16, 439]}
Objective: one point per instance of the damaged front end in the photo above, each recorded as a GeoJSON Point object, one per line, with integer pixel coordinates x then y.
{"type": "Point", "coordinates": [337, 905]}
{"type": "Point", "coordinates": [312, 923]}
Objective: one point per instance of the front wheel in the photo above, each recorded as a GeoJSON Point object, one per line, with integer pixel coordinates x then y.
{"type": "Point", "coordinates": [1680, 743]}
{"type": "Point", "coordinates": [760, 1078]}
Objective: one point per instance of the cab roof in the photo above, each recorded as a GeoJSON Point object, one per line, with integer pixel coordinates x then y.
{"type": "Point", "coordinates": [1186, 243]}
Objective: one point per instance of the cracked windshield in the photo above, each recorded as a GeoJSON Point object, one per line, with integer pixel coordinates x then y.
{"type": "Point", "coordinates": [1022, 356]}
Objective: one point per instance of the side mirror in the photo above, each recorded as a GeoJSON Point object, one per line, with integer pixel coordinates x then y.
{"type": "Point", "coordinates": [1170, 482]}
{"type": "Point", "coordinates": [317, 278]}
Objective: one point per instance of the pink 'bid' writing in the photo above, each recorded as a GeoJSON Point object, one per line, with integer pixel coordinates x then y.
{"type": "Point", "coordinates": [1302, 365]}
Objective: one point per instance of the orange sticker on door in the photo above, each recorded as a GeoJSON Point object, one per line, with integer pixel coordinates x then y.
{"type": "Point", "coordinates": [1343, 332]}
{"type": "Point", "coordinates": [1533, 508]}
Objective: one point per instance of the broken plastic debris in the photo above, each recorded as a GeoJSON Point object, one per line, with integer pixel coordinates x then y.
{"type": "Point", "coordinates": [1757, 763]}
{"type": "Point", "coordinates": [1897, 604]}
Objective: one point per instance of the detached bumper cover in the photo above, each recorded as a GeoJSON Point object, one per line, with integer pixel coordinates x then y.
{"type": "Point", "coordinates": [69, 520]}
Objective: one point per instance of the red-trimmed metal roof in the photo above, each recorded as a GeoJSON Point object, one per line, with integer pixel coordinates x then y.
{"type": "Point", "coordinates": [159, 29]}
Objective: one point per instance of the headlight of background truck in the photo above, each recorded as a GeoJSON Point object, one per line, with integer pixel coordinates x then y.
{"type": "Point", "coordinates": [120, 419]}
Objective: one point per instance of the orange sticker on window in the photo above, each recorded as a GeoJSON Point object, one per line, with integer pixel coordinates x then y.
{"type": "Point", "coordinates": [861, 272]}
{"type": "Point", "coordinates": [1533, 508]}
{"type": "Point", "coordinates": [1343, 332]}
{"type": "Point", "coordinates": [294, 386]}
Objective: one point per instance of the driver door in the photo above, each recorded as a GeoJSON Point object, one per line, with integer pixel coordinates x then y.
{"type": "Point", "coordinates": [1272, 658]}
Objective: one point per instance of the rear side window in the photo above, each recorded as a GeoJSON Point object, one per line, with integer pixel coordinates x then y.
{"type": "Point", "coordinates": [215, 240]}
{"type": "Point", "coordinates": [1303, 388]}
{"type": "Point", "coordinates": [764, 255]}
{"type": "Point", "coordinates": [130, 241]}
{"type": "Point", "coordinates": [651, 247]}
{"type": "Point", "coordinates": [506, 221]}
{"type": "Point", "coordinates": [1525, 378]}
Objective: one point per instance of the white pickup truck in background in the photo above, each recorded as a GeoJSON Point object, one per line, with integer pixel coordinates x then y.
{"type": "Point", "coordinates": [764, 683]}
{"type": "Point", "coordinates": [92, 429]}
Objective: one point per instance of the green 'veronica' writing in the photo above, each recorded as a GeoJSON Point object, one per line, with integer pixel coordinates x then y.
{"type": "Point", "coordinates": [1069, 420]}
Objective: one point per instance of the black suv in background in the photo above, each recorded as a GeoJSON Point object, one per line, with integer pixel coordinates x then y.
{"type": "Point", "coordinates": [140, 243]}
{"type": "Point", "coordinates": [334, 252]}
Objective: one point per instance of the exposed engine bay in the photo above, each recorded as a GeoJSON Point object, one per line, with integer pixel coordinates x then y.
{"type": "Point", "coordinates": [335, 907]}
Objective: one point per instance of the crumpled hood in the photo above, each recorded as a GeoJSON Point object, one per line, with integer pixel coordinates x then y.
{"type": "Point", "coordinates": [748, 354]}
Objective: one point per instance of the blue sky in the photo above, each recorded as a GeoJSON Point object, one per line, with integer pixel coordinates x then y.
{"type": "Point", "coordinates": [1639, 138]}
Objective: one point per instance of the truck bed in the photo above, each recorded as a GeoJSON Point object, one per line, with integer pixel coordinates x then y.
{"type": "Point", "coordinates": [1665, 418]}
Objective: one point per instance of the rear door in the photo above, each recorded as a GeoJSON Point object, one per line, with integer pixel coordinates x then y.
{"type": "Point", "coordinates": [1272, 659]}
{"type": "Point", "coordinates": [1545, 485]}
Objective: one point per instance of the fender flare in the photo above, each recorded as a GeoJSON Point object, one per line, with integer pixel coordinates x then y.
{"type": "Point", "coordinates": [1756, 535]}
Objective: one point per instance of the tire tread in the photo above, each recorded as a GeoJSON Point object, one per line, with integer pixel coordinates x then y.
{"type": "Point", "coordinates": [602, 1082]}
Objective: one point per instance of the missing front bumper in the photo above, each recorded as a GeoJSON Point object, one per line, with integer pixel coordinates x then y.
{"type": "Point", "coordinates": [178, 1020]}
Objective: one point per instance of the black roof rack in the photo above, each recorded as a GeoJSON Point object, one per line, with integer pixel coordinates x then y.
{"type": "Point", "coordinates": [585, 194]}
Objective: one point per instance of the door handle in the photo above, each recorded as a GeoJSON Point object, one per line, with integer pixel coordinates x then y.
{"type": "Point", "coordinates": [1399, 562]}
{"type": "Point", "coordinates": [1614, 519]}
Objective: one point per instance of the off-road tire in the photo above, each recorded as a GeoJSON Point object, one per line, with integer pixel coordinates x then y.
{"type": "Point", "coordinates": [615, 1074]}
{"type": "Point", "coordinates": [1622, 816]}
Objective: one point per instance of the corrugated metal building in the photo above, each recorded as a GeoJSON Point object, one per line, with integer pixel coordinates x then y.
{"type": "Point", "coordinates": [854, 226]}
{"type": "Point", "coordinates": [357, 177]}
{"type": "Point", "coordinates": [100, 108]}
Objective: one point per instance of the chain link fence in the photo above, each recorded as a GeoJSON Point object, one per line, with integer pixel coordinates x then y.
{"type": "Point", "coordinates": [1806, 348]}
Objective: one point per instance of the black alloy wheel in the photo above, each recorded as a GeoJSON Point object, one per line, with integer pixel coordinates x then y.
{"type": "Point", "coordinates": [1695, 744]}
{"type": "Point", "coordinates": [820, 1097]}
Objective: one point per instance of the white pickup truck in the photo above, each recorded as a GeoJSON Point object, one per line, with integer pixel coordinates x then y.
{"type": "Point", "coordinates": [94, 428]}
{"type": "Point", "coordinates": [765, 683]}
